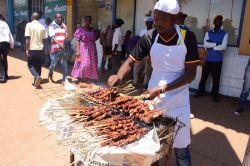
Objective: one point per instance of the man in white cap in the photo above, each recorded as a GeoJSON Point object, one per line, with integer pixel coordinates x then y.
{"type": "Point", "coordinates": [144, 65]}
{"type": "Point", "coordinates": [174, 57]}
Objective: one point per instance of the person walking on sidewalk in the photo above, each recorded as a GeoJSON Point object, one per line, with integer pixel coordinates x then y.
{"type": "Point", "coordinates": [58, 34]}
{"type": "Point", "coordinates": [35, 33]}
{"type": "Point", "coordinates": [6, 43]}
{"type": "Point", "coordinates": [245, 91]}
{"type": "Point", "coordinates": [216, 42]}
{"type": "Point", "coordinates": [174, 56]}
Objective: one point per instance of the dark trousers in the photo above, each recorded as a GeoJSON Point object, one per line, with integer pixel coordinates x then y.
{"type": "Point", "coordinates": [115, 62]}
{"type": "Point", "coordinates": [106, 52]}
{"type": "Point", "coordinates": [4, 51]}
{"type": "Point", "coordinates": [35, 62]}
{"type": "Point", "coordinates": [215, 69]}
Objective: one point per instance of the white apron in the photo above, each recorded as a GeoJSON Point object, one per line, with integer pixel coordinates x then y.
{"type": "Point", "coordinates": [168, 65]}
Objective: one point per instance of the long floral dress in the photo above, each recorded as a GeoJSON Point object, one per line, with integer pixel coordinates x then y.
{"type": "Point", "coordinates": [87, 66]}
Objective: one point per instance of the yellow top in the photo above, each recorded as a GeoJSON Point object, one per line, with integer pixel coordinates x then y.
{"type": "Point", "coordinates": [37, 33]}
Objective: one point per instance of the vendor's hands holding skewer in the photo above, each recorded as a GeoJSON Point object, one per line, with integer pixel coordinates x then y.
{"type": "Point", "coordinates": [153, 93]}
{"type": "Point", "coordinates": [113, 80]}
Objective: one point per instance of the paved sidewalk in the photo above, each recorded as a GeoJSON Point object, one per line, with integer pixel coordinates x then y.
{"type": "Point", "coordinates": [219, 138]}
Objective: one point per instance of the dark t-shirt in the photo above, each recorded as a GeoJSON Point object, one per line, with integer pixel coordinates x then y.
{"type": "Point", "coordinates": [143, 47]}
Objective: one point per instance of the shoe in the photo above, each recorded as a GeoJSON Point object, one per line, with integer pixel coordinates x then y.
{"type": "Point", "coordinates": [191, 116]}
{"type": "Point", "coordinates": [3, 81]}
{"type": "Point", "coordinates": [239, 111]}
{"type": "Point", "coordinates": [75, 80]}
{"type": "Point", "coordinates": [216, 98]}
{"type": "Point", "coordinates": [199, 94]}
{"type": "Point", "coordinates": [50, 78]}
{"type": "Point", "coordinates": [37, 81]}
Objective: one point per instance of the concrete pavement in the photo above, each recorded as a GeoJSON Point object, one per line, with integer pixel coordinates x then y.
{"type": "Point", "coordinates": [218, 136]}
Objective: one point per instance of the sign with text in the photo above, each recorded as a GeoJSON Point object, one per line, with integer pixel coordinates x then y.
{"type": "Point", "coordinates": [53, 7]}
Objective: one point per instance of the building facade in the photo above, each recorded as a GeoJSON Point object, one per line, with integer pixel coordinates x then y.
{"type": "Point", "coordinates": [3, 9]}
{"type": "Point", "coordinates": [200, 17]}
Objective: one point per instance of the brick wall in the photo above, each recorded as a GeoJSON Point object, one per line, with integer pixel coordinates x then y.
{"type": "Point", "coordinates": [3, 8]}
{"type": "Point", "coordinates": [232, 76]}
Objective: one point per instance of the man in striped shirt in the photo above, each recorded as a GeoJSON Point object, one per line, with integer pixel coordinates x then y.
{"type": "Point", "coordinates": [58, 34]}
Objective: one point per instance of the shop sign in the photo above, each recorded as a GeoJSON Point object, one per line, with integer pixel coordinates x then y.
{"type": "Point", "coordinates": [55, 6]}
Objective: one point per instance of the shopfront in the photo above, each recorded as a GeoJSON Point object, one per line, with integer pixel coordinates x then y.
{"type": "Point", "coordinates": [99, 10]}
{"type": "Point", "coordinates": [24, 8]}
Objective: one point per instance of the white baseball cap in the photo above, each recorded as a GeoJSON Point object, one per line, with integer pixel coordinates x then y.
{"type": "Point", "coordinates": [168, 6]}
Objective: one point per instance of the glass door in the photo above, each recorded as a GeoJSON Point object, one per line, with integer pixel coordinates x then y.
{"type": "Point", "coordinates": [36, 5]}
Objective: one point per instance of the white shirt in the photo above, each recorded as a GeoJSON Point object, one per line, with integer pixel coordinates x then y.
{"type": "Point", "coordinates": [221, 47]}
{"type": "Point", "coordinates": [5, 34]}
{"type": "Point", "coordinates": [142, 33]}
{"type": "Point", "coordinates": [117, 39]}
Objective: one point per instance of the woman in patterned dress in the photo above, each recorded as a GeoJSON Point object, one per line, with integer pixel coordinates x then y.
{"type": "Point", "coordinates": [86, 62]}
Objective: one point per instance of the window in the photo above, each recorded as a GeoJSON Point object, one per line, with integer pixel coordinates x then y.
{"type": "Point", "coordinates": [100, 10]}
{"type": "Point", "coordinates": [202, 12]}
{"type": "Point", "coordinates": [36, 5]}
{"type": "Point", "coordinates": [20, 11]}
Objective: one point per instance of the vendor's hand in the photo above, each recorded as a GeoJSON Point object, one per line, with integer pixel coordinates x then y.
{"type": "Point", "coordinates": [153, 93]}
{"type": "Point", "coordinates": [113, 80]}
{"type": "Point", "coordinates": [27, 53]}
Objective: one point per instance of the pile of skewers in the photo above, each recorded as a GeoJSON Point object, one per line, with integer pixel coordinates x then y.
{"type": "Point", "coordinates": [114, 128]}
{"type": "Point", "coordinates": [130, 106]}
{"type": "Point", "coordinates": [105, 118]}
{"type": "Point", "coordinates": [119, 120]}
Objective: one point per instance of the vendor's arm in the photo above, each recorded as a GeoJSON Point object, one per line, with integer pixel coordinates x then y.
{"type": "Point", "coordinates": [208, 44]}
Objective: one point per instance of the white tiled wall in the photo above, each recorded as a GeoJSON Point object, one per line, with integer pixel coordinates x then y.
{"type": "Point", "coordinates": [233, 70]}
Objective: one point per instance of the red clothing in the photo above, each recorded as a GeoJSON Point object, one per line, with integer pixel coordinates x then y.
{"type": "Point", "coordinates": [59, 33]}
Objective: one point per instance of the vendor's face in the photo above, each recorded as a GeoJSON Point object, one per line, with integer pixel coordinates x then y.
{"type": "Point", "coordinates": [163, 21]}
